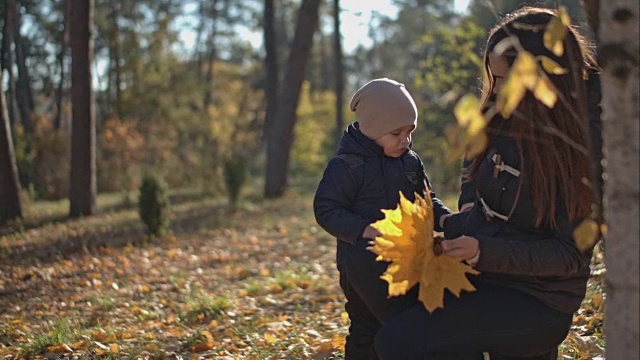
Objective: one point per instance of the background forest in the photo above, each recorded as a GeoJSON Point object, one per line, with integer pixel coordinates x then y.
{"type": "Point", "coordinates": [181, 87]}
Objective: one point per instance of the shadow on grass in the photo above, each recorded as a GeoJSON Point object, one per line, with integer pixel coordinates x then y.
{"type": "Point", "coordinates": [98, 231]}
{"type": "Point", "coordinates": [130, 202]}
{"type": "Point", "coordinates": [63, 247]}
{"type": "Point", "coordinates": [178, 197]}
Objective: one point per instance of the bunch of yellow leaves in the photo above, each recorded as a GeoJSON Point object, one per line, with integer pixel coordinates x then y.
{"type": "Point", "coordinates": [407, 242]}
{"type": "Point", "coordinates": [528, 73]}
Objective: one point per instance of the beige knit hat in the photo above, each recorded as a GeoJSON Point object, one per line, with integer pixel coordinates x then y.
{"type": "Point", "coordinates": [382, 105]}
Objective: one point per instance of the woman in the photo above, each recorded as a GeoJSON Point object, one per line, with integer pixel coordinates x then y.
{"type": "Point", "coordinates": [529, 189]}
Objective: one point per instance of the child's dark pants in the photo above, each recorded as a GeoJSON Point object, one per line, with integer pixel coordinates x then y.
{"type": "Point", "coordinates": [363, 327]}
{"type": "Point", "coordinates": [367, 303]}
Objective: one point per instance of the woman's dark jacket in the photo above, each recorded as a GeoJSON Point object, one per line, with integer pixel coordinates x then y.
{"type": "Point", "coordinates": [360, 181]}
{"type": "Point", "coordinates": [541, 261]}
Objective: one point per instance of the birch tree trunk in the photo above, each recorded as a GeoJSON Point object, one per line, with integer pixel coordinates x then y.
{"type": "Point", "coordinates": [618, 54]}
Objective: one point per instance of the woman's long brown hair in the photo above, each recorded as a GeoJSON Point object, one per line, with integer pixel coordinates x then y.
{"type": "Point", "coordinates": [553, 143]}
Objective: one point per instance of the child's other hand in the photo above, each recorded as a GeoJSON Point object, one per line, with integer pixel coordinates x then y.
{"type": "Point", "coordinates": [370, 233]}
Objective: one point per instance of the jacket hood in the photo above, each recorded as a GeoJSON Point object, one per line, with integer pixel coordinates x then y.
{"type": "Point", "coordinates": [355, 142]}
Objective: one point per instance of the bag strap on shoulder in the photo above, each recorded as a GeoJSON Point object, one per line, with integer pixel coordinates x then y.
{"type": "Point", "coordinates": [352, 159]}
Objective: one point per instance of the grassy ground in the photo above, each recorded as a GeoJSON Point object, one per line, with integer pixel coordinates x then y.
{"type": "Point", "coordinates": [258, 283]}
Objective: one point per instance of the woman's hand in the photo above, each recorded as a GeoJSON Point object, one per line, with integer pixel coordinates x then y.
{"type": "Point", "coordinates": [370, 233]}
{"type": "Point", "coordinates": [461, 248]}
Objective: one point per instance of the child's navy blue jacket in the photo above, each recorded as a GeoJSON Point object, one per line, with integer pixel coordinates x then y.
{"type": "Point", "coordinates": [361, 180]}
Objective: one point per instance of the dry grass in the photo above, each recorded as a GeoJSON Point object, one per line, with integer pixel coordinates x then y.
{"type": "Point", "coordinates": [257, 283]}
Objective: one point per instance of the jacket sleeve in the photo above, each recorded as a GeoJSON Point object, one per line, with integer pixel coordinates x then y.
{"type": "Point", "coordinates": [467, 189]}
{"type": "Point", "coordinates": [439, 208]}
{"type": "Point", "coordinates": [333, 199]}
{"type": "Point", "coordinates": [454, 225]}
{"type": "Point", "coordinates": [524, 253]}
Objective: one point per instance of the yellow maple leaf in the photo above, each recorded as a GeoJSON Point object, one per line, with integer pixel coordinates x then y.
{"type": "Point", "coordinates": [339, 342]}
{"type": "Point", "coordinates": [516, 84]}
{"type": "Point", "coordinates": [201, 347]}
{"type": "Point", "coordinates": [407, 242]}
{"type": "Point", "coordinates": [344, 317]}
{"type": "Point", "coordinates": [468, 115]}
{"type": "Point", "coordinates": [525, 75]}
{"type": "Point", "coordinates": [206, 335]}
{"type": "Point", "coordinates": [270, 338]}
{"type": "Point", "coordinates": [543, 91]}
{"type": "Point", "coordinates": [467, 136]}
{"type": "Point", "coordinates": [60, 349]}
{"type": "Point", "coordinates": [556, 31]}
{"type": "Point", "coordinates": [328, 347]}
{"type": "Point", "coordinates": [551, 66]}
{"type": "Point", "coordinates": [586, 234]}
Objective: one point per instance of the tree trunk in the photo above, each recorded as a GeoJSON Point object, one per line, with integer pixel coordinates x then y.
{"type": "Point", "coordinates": [618, 55]}
{"type": "Point", "coordinates": [282, 19]}
{"type": "Point", "coordinates": [10, 206]}
{"type": "Point", "coordinates": [24, 93]}
{"type": "Point", "coordinates": [281, 133]}
{"type": "Point", "coordinates": [61, 62]}
{"type": "Point", "coordinates": [339, 70]}
{"type": "Point", "coordinates": [592, 8]}
{"type": "Point", "coordinates": [115, 50]}
{"type": "Point", "coordinates": [212, 56]}
{"type": "Point", "coordinates": [208, 79]}
{"type": "Point", "coordinates": [318, 72]}
{"type": "Point", "coordinates": [6, 63]}
{"type": "Point", "coordinates": [114, 80]}
{"type": "Point", "coordinates": [82, 193]}
{"type": "Point", "coordinates": [326, 80]}
{"type": "Point", "coordinates": [271, 66]}
{"type": "Point", "coordinates": [198, 42]}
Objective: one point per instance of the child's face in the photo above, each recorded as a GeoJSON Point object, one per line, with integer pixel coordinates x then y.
{"type": "Point", "coordinates": [396, 142]}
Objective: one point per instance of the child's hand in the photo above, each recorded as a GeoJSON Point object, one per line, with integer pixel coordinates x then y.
{"type": "Point", "coordinates": [370, 232]}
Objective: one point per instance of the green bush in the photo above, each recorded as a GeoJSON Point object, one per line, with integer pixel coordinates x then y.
{"type": "Point", "coordinates": [235, 175]}
{"type": "Point", "coordinates": [153, 204]}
